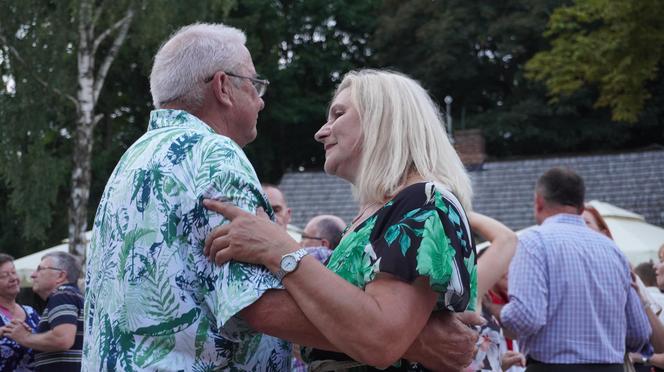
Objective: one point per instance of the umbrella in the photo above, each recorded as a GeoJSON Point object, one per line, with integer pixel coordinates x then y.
{"type": "Point", "coordinates": [638, 239]}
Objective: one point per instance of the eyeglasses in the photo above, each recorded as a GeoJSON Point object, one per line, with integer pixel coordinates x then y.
{"type": "Point", "coordinates": [310, 237]}
{"type": "Point", "coordinates": [8, 274]}
{"type": "Point", "coordinates": [259, 84]}
{"type": "Point", "coordinates": [40, 268]}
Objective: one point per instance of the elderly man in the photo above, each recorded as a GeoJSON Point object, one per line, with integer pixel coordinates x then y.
{"type": "Point", "coordinates": [321, 235]}
{"type": "Point", "coordinates": [569, 284]}
{"type": "Point", "coordinates": [154, 301]}
{"type": "Point", "coordinates": [59, 336]}
{"type": "Point", "coordinates": [277, 200]}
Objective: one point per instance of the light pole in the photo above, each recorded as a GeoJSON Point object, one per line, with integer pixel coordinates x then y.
{"type": "Point", "coordinates": [448, 115]}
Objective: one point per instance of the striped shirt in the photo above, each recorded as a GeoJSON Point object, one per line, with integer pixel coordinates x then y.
{"type": "Point", "coordinates": [63, 306]}
{"type": "Point", "coordinates": [570, 296]}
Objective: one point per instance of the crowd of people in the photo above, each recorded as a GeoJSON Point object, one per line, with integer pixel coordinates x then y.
{"type": "Point", "coordinates": [191, 268]}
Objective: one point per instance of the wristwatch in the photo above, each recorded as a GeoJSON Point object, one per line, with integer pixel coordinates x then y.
{"type": "Point", "coordinates": [289, 262]}
{"type": "Point", "coordinates": [645, 360]}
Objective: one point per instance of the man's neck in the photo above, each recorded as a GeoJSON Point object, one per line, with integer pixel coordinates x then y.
{"type": "Point", "coordinates": [555, 210]}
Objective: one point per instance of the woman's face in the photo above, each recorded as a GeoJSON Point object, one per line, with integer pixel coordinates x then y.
{"type": "Point", "coordinates": [592, 222]}
{"type": "Point", "coordinates": [341, 137]}
{"type": "Point", "coordinates": [10, 284]}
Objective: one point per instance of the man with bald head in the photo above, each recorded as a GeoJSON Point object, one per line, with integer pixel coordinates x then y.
{"type": "Point", "coordinates": [323, 231]}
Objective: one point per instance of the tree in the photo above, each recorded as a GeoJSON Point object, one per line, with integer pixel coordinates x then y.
{"type": "Point", "coordinates": [617, 46]}
{"type": "Point", "coordinates": [39, 42]}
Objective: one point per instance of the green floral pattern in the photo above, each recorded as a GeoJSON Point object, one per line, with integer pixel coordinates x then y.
{"type": "Point", "coordinates": [153, 301]}
{"type": "Point", "coordinates": [423, 231]}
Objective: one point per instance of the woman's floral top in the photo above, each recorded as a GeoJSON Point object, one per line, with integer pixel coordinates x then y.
{"type": "Point", "coordinates": [422, 231]}
{"type": "Point", "coordinates": [14, 357]}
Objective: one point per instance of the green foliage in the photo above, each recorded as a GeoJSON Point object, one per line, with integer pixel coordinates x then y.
{"type": "Point", "coordinates": [615, 45]}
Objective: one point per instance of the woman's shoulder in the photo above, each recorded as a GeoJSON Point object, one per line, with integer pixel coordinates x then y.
{"type": "Point", "coordinates": [428, 194]}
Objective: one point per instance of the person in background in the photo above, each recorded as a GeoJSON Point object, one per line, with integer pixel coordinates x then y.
{"type": "Point", "coordinates": [568, 284]}
{"type": "Point", "coordinates": [493, 353]}
{"type": "Point", "coordinates": [640, 360]}
{"type": "Point", "coordinates": [13, 356]}
{"type": "Point", "coordinates": [321, 235]}
{"type": "Point", "coordinates": [278, 202]}
{"type": "Point", "coordinates": [58, 340]}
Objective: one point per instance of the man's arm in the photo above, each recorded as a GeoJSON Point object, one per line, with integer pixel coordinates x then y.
{"type": "Point", "coordinates": [60, 338]}
{"type": "Point", "coordinates": [525, 314]}
{"type": "Point", "coordinates": [638, 328]}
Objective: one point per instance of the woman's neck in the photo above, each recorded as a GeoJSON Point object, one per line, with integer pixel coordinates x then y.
{"type": "Point", "coordinates": [8, 302]}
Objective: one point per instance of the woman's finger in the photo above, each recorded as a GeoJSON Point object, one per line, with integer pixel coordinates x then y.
{"type": "Point", "coordinates": [228, 210]}
{"type": "Point", "coordinates": [260, 212]}
{"type": "Point", "coordinates": [217, 232]}
{"type": "Point", "coordinates": [223, 256]}
{"type": "Point", "coordinates": [219, 244]}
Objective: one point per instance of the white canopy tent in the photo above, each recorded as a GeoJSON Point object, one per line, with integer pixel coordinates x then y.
{"type": "Point", "coordinates": [639, 240]}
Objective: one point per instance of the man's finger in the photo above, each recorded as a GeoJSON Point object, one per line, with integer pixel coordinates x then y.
{"type": "Point", "coordinates": [471, 318]}
{"type": "Point", "coordinates": [226, 209]}
{"type": "Point", "coordinates": [217, 232]}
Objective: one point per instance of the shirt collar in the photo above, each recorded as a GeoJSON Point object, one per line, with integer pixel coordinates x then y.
{"type": "Point", "coordinates": [166, 118]}
{"type": "Point", "coordinates": [573, 219]}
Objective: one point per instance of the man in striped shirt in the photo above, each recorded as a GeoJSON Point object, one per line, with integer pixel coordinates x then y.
{"type": "Point", "coordinates": [59, 338]}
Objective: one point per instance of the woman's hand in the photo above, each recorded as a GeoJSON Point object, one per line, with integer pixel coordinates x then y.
{"type": "Point", "coordinates": [512, 358]}
{"type": "Point", "coordinates": [247, 238]}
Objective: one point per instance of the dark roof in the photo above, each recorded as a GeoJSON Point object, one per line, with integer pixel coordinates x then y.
{"type": "Point", "coordinates": [504, 189]}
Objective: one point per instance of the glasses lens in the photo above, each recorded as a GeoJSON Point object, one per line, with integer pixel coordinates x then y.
{"type": "Point", "coordinates": [260, 88]}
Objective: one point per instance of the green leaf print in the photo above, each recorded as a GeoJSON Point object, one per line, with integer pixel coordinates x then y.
{"type": "Point", "coordinates": [127, 250]}
{"type": "Point", "coordinates": [404, 243]}
{"type": "Point", "coordinates": [201, 335]}
{"type": "Point", "coordinates": [171, 326]}
{"type": "Point", "coordinates": [435, 255]}
{"type": "Point", "coordinates": [153, 349]}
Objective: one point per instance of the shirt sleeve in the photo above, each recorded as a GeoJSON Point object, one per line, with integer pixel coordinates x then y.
{"type": "Point", "coordinates": [526, 311]}
{"type": "Point", "coordinates": [63, 308]}
{"type": "Point", "coordinates": [234, 285]}
{"type": "Point", "coordinates": [638, 327]}
{"type": "Point", "coordinates": [422, 234]}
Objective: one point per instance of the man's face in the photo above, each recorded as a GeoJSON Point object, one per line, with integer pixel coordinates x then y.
{"type": "Point", "coordinates": [278, 203]}
{"type": "Point", "coordinates": [659, 271]}
{"type": "Point", "coordinates": [46, 277]}
{"type": "Point", "coordinates": [246, 102]}
{"type": "Point", "coordinates": [310, 237]}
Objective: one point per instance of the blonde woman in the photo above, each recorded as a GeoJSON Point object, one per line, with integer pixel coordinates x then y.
{"type": "Point", "coordinates": [409, 251]}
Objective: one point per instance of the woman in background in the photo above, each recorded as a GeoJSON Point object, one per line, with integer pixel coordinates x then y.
{"type": "Point", "coordinates": [13, 357]}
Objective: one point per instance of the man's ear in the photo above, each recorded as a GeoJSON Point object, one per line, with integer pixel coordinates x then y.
{"type": "Point", "coordinates": [222, 88]}
{"type": "Point", "coordinates": [325, 243]}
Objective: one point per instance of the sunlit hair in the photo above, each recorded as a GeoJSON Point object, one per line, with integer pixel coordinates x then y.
{"type": "Point", "coordinates": [191, 55]}
{"type": "Point", "coordinates": [603, 227]}
{"type": "Point", "coordinates": [402, 133]}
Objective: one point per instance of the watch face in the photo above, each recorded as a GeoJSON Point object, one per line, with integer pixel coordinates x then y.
{"type": "Point", "coordinates": [288, 263]}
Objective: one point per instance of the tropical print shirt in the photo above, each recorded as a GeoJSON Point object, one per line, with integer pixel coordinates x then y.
{"type": "Point", "coordinates": [14, 357]}
{"type": "Point", "coordinates": [422, 231]}
{"type": "Point", "coordinates": [153, 301]}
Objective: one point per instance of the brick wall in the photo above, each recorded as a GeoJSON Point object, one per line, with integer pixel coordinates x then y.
{"type": "Point", "coordinates": [469, 144]}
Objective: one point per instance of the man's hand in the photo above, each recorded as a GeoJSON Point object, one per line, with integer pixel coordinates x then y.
{"type": "Point", "coordinates": [448, 342]}
{"type": "Point", "coordinates": [17, 330]}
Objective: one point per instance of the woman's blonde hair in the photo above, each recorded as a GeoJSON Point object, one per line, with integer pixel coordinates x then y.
{"type": "Point", "coordinates": [402, 134]}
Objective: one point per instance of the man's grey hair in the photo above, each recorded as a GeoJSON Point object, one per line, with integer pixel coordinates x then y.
{"type": "Point", "coordinates": [66, 262]}
{"type": "Point", "coordinates": [189, 57]}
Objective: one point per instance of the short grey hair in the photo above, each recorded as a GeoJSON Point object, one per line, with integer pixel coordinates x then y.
{"type": "Point", "coordinates": [66, 262]}
{"type": "Point", "coordinates": [330, 229]}
{"type": "Point", "coordinates": [191, 55]}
